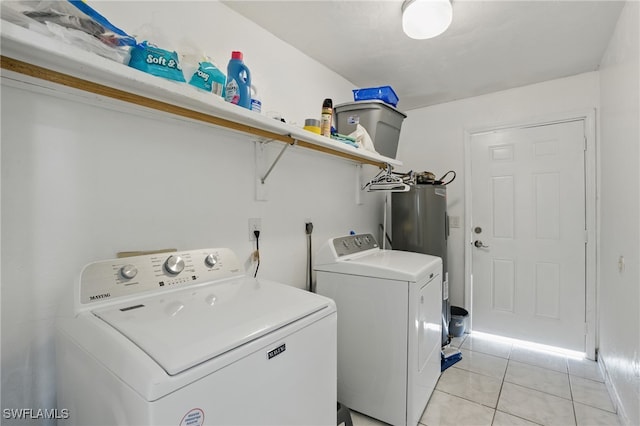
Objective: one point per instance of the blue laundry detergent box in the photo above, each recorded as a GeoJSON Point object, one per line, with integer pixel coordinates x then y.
{"type": "Point", "coordinates": [156, 61]}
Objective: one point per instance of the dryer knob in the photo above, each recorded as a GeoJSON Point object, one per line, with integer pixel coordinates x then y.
{"type": "Point", "coordinates": [211, 260]}
{"type": "Point", "coordinates": [174, 264]}
{"type": "Point", "coordinates": [129, 271]}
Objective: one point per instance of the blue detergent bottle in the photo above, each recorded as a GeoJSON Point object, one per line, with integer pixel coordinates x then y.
{"type": "Point", "coordinates": [238, 87]}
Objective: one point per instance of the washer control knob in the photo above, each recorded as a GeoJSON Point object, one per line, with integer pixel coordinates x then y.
{"type": "Point", "coordinates": [211, 260]}
{"type": "Point", "coordinates": [174, 264]}
{"type": "Point", "coordinates": [128, 271]}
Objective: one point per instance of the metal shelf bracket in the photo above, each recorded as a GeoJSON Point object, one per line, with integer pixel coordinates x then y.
{"type": "Point", "coordinates": [264, 178]}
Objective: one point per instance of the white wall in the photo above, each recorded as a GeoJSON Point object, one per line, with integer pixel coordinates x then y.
{"type": "Point", "coordinates": [432, 139]}
{"type": "Point", "coordinates": [620, 213]}
{"type": "Point", "coordinates": [81, 182]}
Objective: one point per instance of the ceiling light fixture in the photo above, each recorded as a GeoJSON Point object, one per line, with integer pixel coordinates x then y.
{"type": "Point", "coordinates": [422, 19]}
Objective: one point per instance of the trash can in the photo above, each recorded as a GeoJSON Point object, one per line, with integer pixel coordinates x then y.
{"type": "Point", "coordinates": [458, 317]}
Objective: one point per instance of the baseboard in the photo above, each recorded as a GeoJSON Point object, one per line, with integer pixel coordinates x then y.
{"type": "Point", "coordinates": [623, 419]}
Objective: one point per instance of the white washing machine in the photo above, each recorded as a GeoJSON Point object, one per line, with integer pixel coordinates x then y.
{"type": "Point", "coordinates": [187, 339]}
{"type": "Point", "coordinates": [389, 305]}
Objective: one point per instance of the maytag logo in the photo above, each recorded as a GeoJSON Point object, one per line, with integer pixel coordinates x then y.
{"type": "Point", "coordinates": [277, 351]}
{"type": "Point", "coordinates": [100, 296]}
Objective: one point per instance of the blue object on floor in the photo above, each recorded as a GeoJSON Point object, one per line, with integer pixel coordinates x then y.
{"type": "Point", "coordinates": [449, 361]}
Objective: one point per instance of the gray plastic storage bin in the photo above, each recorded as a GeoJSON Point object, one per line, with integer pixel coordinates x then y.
{"type": "Point", "coordinates": [458, 317]}
{"type": "Point", "coordinates": [382, 122]}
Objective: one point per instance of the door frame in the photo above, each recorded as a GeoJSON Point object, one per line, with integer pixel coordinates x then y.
{"type": "Point", "coordinates": [592, 208]}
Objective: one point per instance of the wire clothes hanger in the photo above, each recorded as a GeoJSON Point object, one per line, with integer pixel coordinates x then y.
{"type": "Point", "coordinates": [386, 180]}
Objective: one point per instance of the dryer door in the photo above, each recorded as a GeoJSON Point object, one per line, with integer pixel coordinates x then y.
{"type": "Point", "coordinates": [424, 358]}
{"type": "Point", "coordinates": [429, 323]}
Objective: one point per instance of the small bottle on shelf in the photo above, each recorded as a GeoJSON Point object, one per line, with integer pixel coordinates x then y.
{"type": "Point", "coordinates": [326, 117]}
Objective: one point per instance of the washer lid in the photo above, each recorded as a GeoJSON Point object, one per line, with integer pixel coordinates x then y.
{"type": "Point", "coordinates": [387, 264]}
{"type": "Point", "coordinates": [186, 328]}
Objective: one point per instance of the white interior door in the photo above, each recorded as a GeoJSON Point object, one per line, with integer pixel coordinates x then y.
{"type": "Point", "coordinates": [529, 233]}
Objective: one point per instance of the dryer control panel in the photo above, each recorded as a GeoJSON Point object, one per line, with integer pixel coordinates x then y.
{"type": "Point", "coordinates": [116, 278]}
{"type": "Point", "coordinates": [353, 244]}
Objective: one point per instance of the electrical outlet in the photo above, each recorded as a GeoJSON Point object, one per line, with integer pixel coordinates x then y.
{"type": "Point", "coordinates": [255, 224]}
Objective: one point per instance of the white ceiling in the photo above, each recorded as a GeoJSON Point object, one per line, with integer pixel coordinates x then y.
{"type": "Point", "coordinates": [490, 46]}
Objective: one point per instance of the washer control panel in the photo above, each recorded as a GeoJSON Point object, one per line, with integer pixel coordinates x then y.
{"type": "Point", "coordinates": [111, 279]}
{"type": "Point", "coordinates": [353, 244]}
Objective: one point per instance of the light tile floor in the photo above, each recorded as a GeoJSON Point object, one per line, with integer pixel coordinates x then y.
{"type": "Point", "coordinates": [501, 384]}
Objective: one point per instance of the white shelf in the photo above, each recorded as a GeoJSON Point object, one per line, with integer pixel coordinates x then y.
{"type": "Point", "coordinates": [27, 55]}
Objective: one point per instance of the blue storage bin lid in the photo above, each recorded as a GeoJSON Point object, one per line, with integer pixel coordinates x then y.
{"type": "Point", "coordinates": [382, 93]}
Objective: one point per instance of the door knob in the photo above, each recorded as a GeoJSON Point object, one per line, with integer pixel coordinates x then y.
{"type": "Point", "coordinates": [479, 244]}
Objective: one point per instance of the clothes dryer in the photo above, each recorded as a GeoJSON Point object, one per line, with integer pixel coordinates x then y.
{"type": "Point", "coordinates": [389, 326]}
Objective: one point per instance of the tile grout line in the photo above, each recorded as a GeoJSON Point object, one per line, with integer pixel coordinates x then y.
{"type": "Point", "coordinates": [500, 394]}
{"type": "Point", "coordinates": [495, 409]}
{"type": "Point", "coordinates": [539, 390]}
{"type": "Point", "coordinates": [509, 360]}
{"type": "Point", "coordinates": [504, 375]}
{"type": "Point", "coordinates": [466, 399]}
{"type": "Point", "coordinates": [591, 404]}
{"type": "Point", "coordinates": [573, 403]}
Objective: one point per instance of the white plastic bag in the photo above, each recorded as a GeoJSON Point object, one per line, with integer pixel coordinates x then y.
{"type": "Point", "coordinates": [363, 139]}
